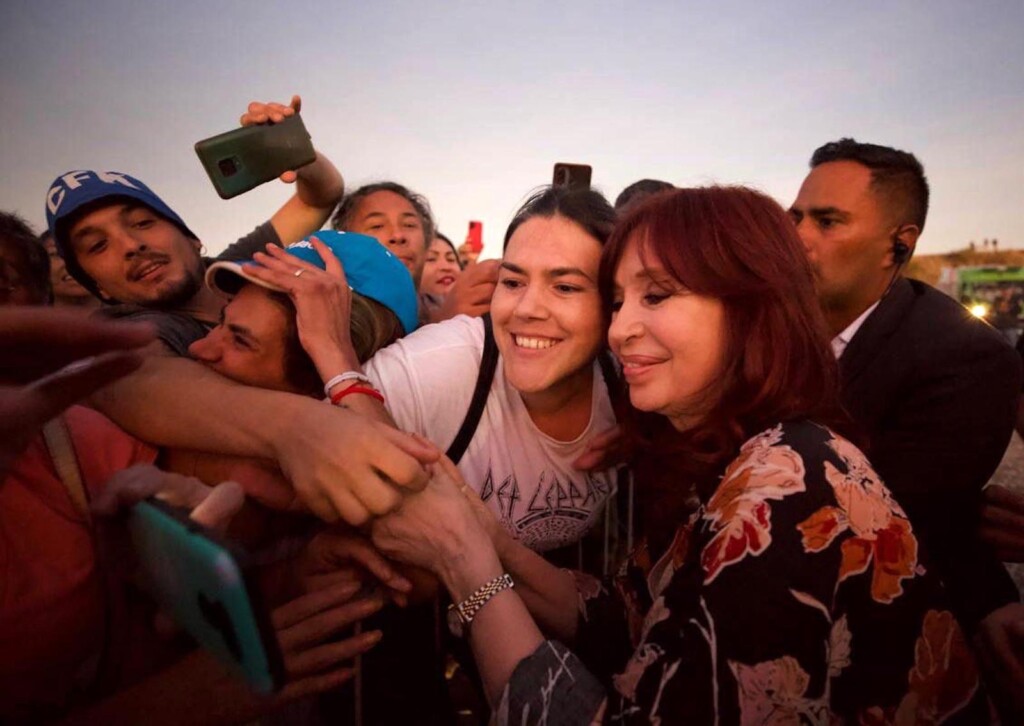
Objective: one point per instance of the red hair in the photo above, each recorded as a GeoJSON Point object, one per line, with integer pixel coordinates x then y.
{"type": "Point", "coordinates": [736, 245]}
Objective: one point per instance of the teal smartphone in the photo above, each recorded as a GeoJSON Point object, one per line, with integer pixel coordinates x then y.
{"type": "Point", "coordinates": [205, 584]}
{"type": "Point", "coordinates": [242, 159]}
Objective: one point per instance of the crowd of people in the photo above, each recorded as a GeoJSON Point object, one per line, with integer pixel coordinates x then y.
{"type": "Point", "coordinates": [780, 442]}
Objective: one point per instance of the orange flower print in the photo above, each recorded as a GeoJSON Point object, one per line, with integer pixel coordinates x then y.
{"type": "Point", "coordinates": [942, 681]}
{"type": "Point", "coordinates": [739, 512]}
{"type": "Point", "coordinates": [882, 535]}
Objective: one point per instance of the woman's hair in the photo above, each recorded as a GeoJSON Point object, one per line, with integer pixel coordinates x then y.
{"type": "Point", "coordinates": [33, 263]}
{"type": "Point", "coordinates": [738, 246]}
{"type": "Point", "coordinates": [372, 326]}
{"type": "Point", "coordinates": [585, 207]}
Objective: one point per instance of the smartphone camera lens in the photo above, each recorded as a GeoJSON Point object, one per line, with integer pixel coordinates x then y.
{"type": "Point", "coordinates": [227, 167]}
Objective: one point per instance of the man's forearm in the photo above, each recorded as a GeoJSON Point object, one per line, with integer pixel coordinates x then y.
{"type": "Point", "coordinates": [176, 402]}
{"type": "Point", "coordinates": [319, 184]}
{"type": "Point", "coordinates": [318, 189]}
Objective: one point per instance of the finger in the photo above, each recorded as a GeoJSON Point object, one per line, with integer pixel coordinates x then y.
{"type": "Point", "coordinates": [1007, 662]}
{"type": "Point", "coordinates": [223, 503]}
{"type": "Point", "coordinates": [317, 628]}
{"type": "Point", "coordinates": [330, 655]}
{"type": "Point", "coordinates": [47, 397]}
{"type": "Point", "coordinates": [1004, 499]}
{"type": "Point", "coordinates": [278, 260]}
{"type": "Point", "coordinates": [1001, 518]}
{"type": "Point", "coordinates": [279, 278]}
{"type": "Point", "coordinates": [310, 604]}
{"type": "Point", "coordinates": [342, 576]}
{"type": "Point", "coordinates": [343, 550]}
{"type": "Point", "coordinates": [127, 487]}
{"type": "Point", "coordinates": [315, 500]}
{"type": "Point", "coordinates": [34, 341]}
{"type": "Point", "coordinates": [296, 103]}
{"type": "Point", "coordinates": [373, 498]}
{"type": "Point", "coordinates": [409, 471]}
{"type": "Point", "coordinates": [313, 685]}
{"type": "Point", "coordinates": [606, 438]}
{"type": "Point", "coordinates": [289, 177]}
{"type": "Point", "coordinates": [81, 377]}
{"type": "Point", "coordinates": [331, 262]}
{"type": "Point", "coordinates": [376, 495]}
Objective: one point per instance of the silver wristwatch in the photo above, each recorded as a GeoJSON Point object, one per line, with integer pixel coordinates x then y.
{"type": "Point", "coordinates": [461, 615]}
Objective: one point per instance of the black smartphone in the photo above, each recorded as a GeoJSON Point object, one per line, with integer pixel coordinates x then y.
{"type": "Point", "coordinates": [240, 160]}
{"type": "Point", "coordinates": [206, 585]}
{"type": "Point", "coordinates": [571, 175]}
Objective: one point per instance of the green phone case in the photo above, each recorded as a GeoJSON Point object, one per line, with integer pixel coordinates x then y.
{"type": "Point", "coordinates": [240, 160]}
{"type": "Point", "coordinates": [201, 582]}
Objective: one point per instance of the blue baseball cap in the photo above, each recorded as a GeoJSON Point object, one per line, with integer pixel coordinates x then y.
{"type": "Point", "coordinates": [371, 270]}
{"type": "Point", "coordinates": [74, 189]}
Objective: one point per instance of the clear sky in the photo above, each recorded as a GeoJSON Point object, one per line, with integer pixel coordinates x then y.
{"type": "Point", "coordinates": [471, 103]}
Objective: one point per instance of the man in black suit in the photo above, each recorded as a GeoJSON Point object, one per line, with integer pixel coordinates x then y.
{"type": "Point", "coordinates": [932, 389]}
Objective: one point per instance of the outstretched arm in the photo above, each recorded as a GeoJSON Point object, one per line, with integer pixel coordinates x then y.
{"type": "Point", "coordinates": [341, 464]}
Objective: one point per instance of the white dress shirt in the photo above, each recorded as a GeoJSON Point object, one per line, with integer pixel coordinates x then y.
{"type": "Point", "coordinates": [842, 340]}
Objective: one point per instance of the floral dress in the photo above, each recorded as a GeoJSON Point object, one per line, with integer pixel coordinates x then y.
{"type": "Point", "coordinates": [795, 594]}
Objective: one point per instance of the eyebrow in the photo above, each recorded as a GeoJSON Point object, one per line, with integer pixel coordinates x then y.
{"type": "Point", "coordinates": [243, 331]}
{"type": "Point", "coordinates": [553, 272]}
{"type": "Point", "coordinates": [818, 212]}
{"type": "Point", "coordinates": [403, 215]}
{"type": "Point", "coordinates": [126, 209]}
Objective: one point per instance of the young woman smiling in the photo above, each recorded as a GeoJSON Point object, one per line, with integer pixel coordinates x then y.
{"type": "Point", "coordinates": [547, 404]}
{"type": "Point", "coordinates": [795, 593]}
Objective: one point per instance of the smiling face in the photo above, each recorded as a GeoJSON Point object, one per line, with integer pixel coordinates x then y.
{"type": "Point", "coordinates": [393, 221]}
{"type": "Point", "coordinates": [137, 256]}
{"type": "Point", "coordinates": [441, 269]}
{"type": "Point", "coordinates": [249, 344]}
{"type": "Point", "coordinates": [670, 341]}
{"type": "Point", "coordinates": [546, 308]}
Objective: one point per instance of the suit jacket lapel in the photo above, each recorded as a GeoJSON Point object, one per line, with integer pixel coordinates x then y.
{"type": "Point", "coordinates": [879, 326]}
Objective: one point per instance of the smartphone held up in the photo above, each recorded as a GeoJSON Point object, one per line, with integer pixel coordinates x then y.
{"type": "Point", "coordinates": [242, 159]}
{"type": "Point", "coordinates": [475, 236]}
{"type": "Point", "coordinates": [208, 587]}
{"type": "Point", "coordinates": [571, 175]}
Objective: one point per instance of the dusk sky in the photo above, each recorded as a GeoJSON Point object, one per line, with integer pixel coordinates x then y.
{"type": "Point", "coordinates": [470, 104]}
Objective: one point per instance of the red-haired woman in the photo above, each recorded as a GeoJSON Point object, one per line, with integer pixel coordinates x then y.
{"type": "Point", "coordinates": [795, 593]}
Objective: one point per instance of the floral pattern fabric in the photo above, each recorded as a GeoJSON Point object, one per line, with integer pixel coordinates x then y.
{"type": "Point", "coordinates": [796, 594]}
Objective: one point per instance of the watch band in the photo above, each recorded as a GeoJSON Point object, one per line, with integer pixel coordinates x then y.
{"type": "Point", "coordinates": [468, 608]}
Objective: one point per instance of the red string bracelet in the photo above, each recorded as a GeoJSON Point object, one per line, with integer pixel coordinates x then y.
{"type": "Point", "coordinates": [365, 390]}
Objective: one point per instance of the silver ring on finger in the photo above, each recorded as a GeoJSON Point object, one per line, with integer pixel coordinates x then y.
{"type": "Point", "coordinates": [298, 273]}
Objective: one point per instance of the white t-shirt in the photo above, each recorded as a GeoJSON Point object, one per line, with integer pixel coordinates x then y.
{"type": "Point", "coordinates": [524, 476]}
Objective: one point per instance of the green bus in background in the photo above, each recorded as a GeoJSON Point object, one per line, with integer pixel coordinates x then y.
{"type": "Point", "coordinates": [995, 294]}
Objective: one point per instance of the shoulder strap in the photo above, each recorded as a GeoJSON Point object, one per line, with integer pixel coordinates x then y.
{"type": "Point", "coordinates": [62, 451]}
{"type": "Point", "coordinates": [488, 364]}
{"type": "Point", "coordinates": [610, 372]}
